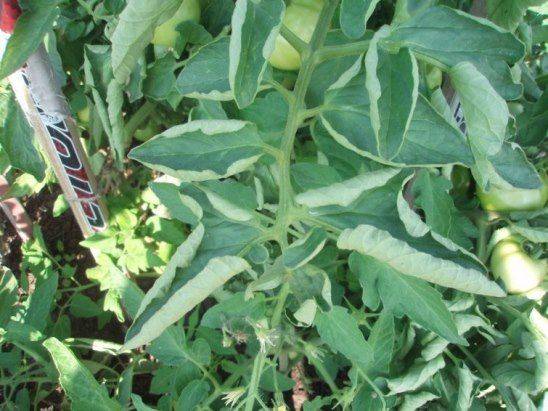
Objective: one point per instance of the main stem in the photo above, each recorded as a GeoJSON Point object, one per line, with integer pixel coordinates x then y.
{"type": "Point", "coordinates": [296, 107]}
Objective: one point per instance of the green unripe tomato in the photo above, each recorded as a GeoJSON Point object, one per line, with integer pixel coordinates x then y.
{"type": "Point", "coordinates": [498, 199]}
{"type": "Point", "coordinates": [166, 33]}
{"type": "Point", "coordinates": [83, 115]}
{"type": "Point", "coordinates": [434, 77]}
{"type": "Point", "coordinates": [301, 17]}
{"type": "Point", "coordinates": [519, 272]}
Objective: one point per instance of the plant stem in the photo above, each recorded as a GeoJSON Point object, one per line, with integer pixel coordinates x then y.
{"type": "Point", "coordinates": [139, 117]}
{"type": "Point", "coordinates": [352, 49]}
{"type": "Point", "coordinates": [483, 234]}
{"type": "Point", "coordinates": [278, 310]}
{"type": "Point", "coordinates": [80, 288]}
{"type": "Point", "coordinates": [293, 39]}
{"type": "Point", "coordinates": [254, 383]}
{"type": "Point", "coordinates": [318, 365]}
{"type": "Point", "coordinates": [294, 118]}
{"type": "Point", "coordinates": [374, 387]}
{"type": "Point", "coordinates": [488, 377]}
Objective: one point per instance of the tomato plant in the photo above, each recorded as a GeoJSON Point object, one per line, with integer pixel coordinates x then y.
{"type": "Point", "coordinates": [298, 207]}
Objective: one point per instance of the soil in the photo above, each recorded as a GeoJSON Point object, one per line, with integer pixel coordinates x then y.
{"type": "Point", "coordinates": [64, 231]}
{"type": "Point", "coordinates": [62, 237]}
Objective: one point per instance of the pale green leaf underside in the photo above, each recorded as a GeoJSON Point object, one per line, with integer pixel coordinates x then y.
{"type": "Point", "coordinates": [181, 259]}
{"type": "Point", "coordinates": [392, 81]}
{"type": "Point", "coordinates": [202, 150]}
{"type": "Point", "coordinates": [135, 31]}
{"type": "Point", "coordinates": [485, 111]}
{"type": "Point", "coordinates": [412, 402]}
{"type": "Point", "coordinates": [407, 260]}
{"type": "Point", "coordinates": [347, 191]}
{"type": "Point", "coordinates": [217, 272]}
{"type": "Point", "coordinates": [77, 381]}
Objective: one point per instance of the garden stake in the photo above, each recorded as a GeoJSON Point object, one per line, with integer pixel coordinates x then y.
{"type": "Point", "coordinates": [39, 95]}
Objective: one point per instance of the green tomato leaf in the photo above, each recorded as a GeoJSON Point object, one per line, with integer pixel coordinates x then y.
{"type": "Point", "coordinates": [417, 375]}
{"type": "Point", "coordinates": [450, 36]}
{"type": "Point", "coordinates": [180, 206]}
{"type": "Point", "coordinates": [29, 31]}
{"type": "Point", "coordinates": [194, 393]}
{"type": "Point", "coordinates": [255, 26]}
{"type": "Point", "coordinates": [160, 78]}
{"type": "Point", "coordinates": [347, 191]}
{"type": "Point", "coordinates": [507, 169]}
{"type": "Point", "coordinates": [432, 196]}
{"type": "Point", "coordinates": [38, 305]}
{"type": "Point", "coordinates": [340, 331]}
{"type": "Point", "coordinates": [117, 137]}
{"type": "Point", "coordinates": [181, 259]}
{"type": "Point", "coordinates": [18, 141]}
{"type": "Point", "coordinates": [382, 341]}
{"type": "Point", "coordinates": [208, 110]}
{"type": "Point", "coordinates": [81, 306]}
{"type": "Point", "coordinates": [392, 81]}
{"type": "Point", "coordinates": [153, 321]}
{"type": "Point", "coordinates": [422, 303]}
{"type": "Point", "coordinates": [430, 139]}
{"type": "Point", "coordinates": [407, 259]}
{"type": "Point", "coordinates": [415, 401]}
{"type": "Point", "coordinates": [354, 16]}
{"type": "Point", "coordinates": [230, 198]}
{"type": "Point", "coordinates": [233, 308]}
{"type": "Point", "coordinates": [77, 381]}
{"type": "Point", "coordinates": [206, 73]}
{"type": "Point", "coordinates": [509, 13]}
{"type": "Point", "coordinates": [467, 380]}
{"type": "Point", "coordinates": [135, 31]}
{"type": "Point", "coordinates": [518, 374]}
{"type": "Point", "coordinates": [202, 150]}
{"type": "Point", "coordinates": [485, 111]}
{"type": "Point", "coordinates": [8, 295]}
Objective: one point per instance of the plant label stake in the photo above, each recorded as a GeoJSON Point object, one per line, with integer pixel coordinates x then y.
{"type": "Point", "coordinates": [478, 9]}
{"type": "Point", "coordinates": [39, 95]}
